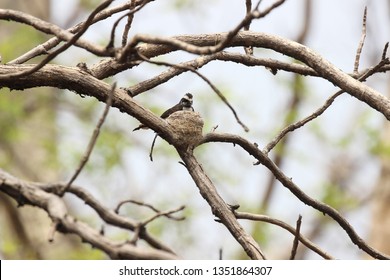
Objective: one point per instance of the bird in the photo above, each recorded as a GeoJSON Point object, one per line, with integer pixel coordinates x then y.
{"type": "Point", "coordinates": [185, 104]}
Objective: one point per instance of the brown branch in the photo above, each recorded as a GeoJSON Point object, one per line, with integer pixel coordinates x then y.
{"type": "Point", "coordinates": [61, 49]}
{"type": "Point", "coordinates": [50, 28]}
{"type": "Point", "coordinates": [371, 71]}
{"type": "Point", "coordinates": [296, 238]}
{"type": "Point", "coordinates": [53, 42]}
{"type": "Point", "coordinates": [305, 241]}
{"type": "Point", "coordinates": [218, 206]}
{"type": "Point", "coordinates": [248, 6]}
{"type": "Point", "coordinates": [168, 74]}
{"type": "Point", "coordinates": [200, 44]}
{"type": "Point", "coordinates": [84, 84]}
{"type": "Point", "coordinates": [152, 147]}
{"type": "Point", "coordinates": [111, 217]}
{"type": "Point", "coordinates": [130, 15]}
{"type": "Point", "coordinates": [154, 209]}
{"type": "Point", "coordinates": [287, 182]}
{"type": "Point", "coordinates": [106, 214]}
{"type": "Point", "coordinates": [167, 214]}
{"type": "Point", "coordinates": [361, 42]}
{"type": "Point", "coordinates": [293, 106]}
{"type": "Point", "coordinates": [29, 193]}
{"type": "Point", "coordinates": [218, 46]}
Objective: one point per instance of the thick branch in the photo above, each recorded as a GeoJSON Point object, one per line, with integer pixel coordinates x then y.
{"type": "Point", "coordinates": [27, 193]}
{"type": "Point", "coordinates": [84, 84]}
{"type": "Point", "coordinates": [218, 206]}
{"type": "Point", "coordinates": [50, 28]}
{"type": "Point", "coordinates": [53, 42]}
{"type": "Point", "coordinates": [201, 44]}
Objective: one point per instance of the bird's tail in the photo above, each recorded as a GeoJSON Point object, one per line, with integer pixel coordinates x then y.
{"type": "Point", "coordinates": [141, 126]}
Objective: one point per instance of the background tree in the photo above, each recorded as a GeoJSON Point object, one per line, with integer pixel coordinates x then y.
{"type": "Point", "coordinates": [314, 148]}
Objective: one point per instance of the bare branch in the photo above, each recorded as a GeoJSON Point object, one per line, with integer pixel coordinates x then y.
{"type": "Point", "coordinates": [296, 239]}
{"type": "Point", "coordinates": [86, 85]}
{"type": "Point", "coordinates": [61, 49]}
{"type": "Point", "coordinates": [104, 213]}
{"type": "Point", "coordinates": [50, 28]}
{"type": "Point", "coordinates": [53, 42]}
{"type": "Point", "coordinates": [253, 150]}
{"type": "Point", "coordinates": [218, 206]}
{"type": "Point", "coordinates": [223, 42]}
{"type": "Point", "coordinates": [384, 53]}
{"type": "Point", "coordinates": [248, 6]}
{"type": "Point", "coordinates": [29, 193]}
{"type": "Point", "coordinates": [154, 209]}
{"type": "Point", "coordinates": [152, 147]}
{"type": "Point", "coordinates": [361, 42]}
{"type": "Point", "coordinates": [203, 43]}
{"type": "Point", "coordinates": [167, 214]}
{"type": "Point", "coordinates": [130, 16]}
{"type": "Point", "coordinates": [377, 68]}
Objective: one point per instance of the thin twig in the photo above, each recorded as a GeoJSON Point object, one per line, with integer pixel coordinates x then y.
{"type": "Point", "coordinates": [151, 147]}
{"type": "Point", "coordinates": [151, 207]}
{"type": "Point", "coordinates": [384, 52]}
{"type": "Point", "coordinates": [140, 229]}
{"type": "Point", "coordinates": [65, 222]}
{"type": "Point", "coordinates": [53, 42]}
{"type": "Point", "coordinates": [248, 5]}
{"type": "Point", "coordinates": [361, 42]}
{"type": "Point", "coordinates": [130, 16]}
{"type": "Point", "coordinates": [112, 218]}
{"type": "Point", "coordinates": [296, 238]}
{"type": "Point", "coordinates": [51, 29]}
{"type": "Point", "coordinates": [287, 182]}
{"type": "Point", "coordinates": [204, 78]}
{"type": "Point", "coordinates": [141, 226]}
{"type": "Point", "coordinates": [167, 214]}
{"type": "Point", "coordinates": [61, 49]}
{"type": "Point", "coordinates": [224, 42]}
{"type": "Point", "coordinates": [305, 241]}
{"type": "Point", "coordinates": [92, 141]}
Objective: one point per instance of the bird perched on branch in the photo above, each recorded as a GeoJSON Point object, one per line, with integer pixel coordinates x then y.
{"type": "Point", "coordinates": [185, 104]}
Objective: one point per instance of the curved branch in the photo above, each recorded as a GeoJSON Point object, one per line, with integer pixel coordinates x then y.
{"type": "Point", "coordinates": [27, 193]}
{"type": "Point", "coordinates": [362, 77]}
{"type": "Point", "coordinates": [76, 80]}
{"type": "Point", "coordinates": [292, 230]}
{"type": "Point", "coordinates": [61, 49]}
{"type": "Point", "coordinates": [287, 182]}
{"type": "Point", "coordinates": [202, 44]}
{"type": "Point", "coordinates": [50, 28]}
{"type": "Point", "coordinates": [53, 42]}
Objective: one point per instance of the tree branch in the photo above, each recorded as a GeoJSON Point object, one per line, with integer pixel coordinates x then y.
{"type": "Point", "coordinates": [363, 77]}
{"type": "Point", "coordinates": [287, 182]}
{"type": "Point", "coordinates": [218, 206]}
{"type": "Point", "coordinates": [53, 42]}
{"type": "Point", "coordinates": [201, 44]}
{"type": "Point", "coordinates": [304, 240]}
{"type": "Point", "coordinates": [27, 193]}
{"type": "Point", "coordinates": [50, 28]}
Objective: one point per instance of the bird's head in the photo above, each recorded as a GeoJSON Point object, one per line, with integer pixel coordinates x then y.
{"type": "Point", "coordinates": [187, 101]}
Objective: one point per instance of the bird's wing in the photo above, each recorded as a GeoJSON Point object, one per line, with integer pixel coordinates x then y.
{"type": "Point", "coordinates": [171, 110]}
